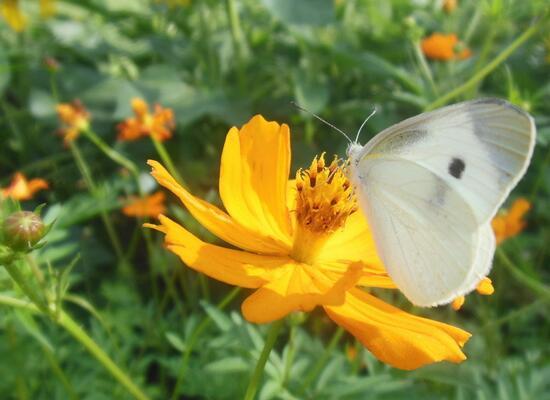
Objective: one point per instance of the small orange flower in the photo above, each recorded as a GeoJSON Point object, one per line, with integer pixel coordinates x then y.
{"type": "Point", "coordinates": [301, 243]}
{"type": "Point", "coordinates": [159, 125]}
{"type": "Point", "coordinates": [75, 119]}
{"type": "Point", "coordinates": [22, 189]}
{"type": "Point", "coordinates": [443, 47]}
{"type": "Point", "coordinates": [484, 287]}
{"type": "Point", "coordinates": [149, 206]}
{"type": "Point", "coordinates": [510, 223]}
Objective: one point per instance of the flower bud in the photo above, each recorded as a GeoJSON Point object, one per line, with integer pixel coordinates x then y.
{"type": "Point", "coordinates": [23, 229]}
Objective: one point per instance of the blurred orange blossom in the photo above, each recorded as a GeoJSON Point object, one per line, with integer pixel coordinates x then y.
{"type": "Point", "coordinates": [74, 117]}
{"type": "Point", "coordinates": [303, 245]}
{"type": "Point", "coordinates": [148, 206]}
{"type": "Point", "coordinates": [439, 46]}
{"type": "Point", "coordinates": [159, 124]}
{"type": "Point", "coordinates": [22, 189]}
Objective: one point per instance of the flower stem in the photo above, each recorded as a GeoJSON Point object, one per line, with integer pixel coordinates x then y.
{"type": "Point", "coordinates": [272, 335]}
{"type": "Point", "coordinates": [533, 284]}
{"type": "Point", "coordinates": [195, 337]}
{"type": "Point", "coordinates": [167, 160]}
{"type": "Point", "coordinates": [66, 322]}
{"type": "Point", "coordinates": [482, 73]}
{"type": "Point", "coordinates": [110, 152]}
{"type": "Point", "coordinates": [424, 67]}
{"type": "Point", "coordinates": [15, 272]}
{"type": "Point", "coordinates": [79, 334]}
{"type": "Point", "coordinates": [86, 174]}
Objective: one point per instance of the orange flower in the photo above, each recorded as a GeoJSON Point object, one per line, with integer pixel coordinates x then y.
{"type": "Point", "coordinates": [22, 189]}
{"type": "Point", "coordinates": [75, 119]}
{"type": "Point", "coordinates": [510, 223]}
{"type": "Point", "coordinates": [149, 206]}
{"type": "Point", "coordinates": [303, 245]}
{"type": "Point", "coordinates": [484, 287]}
{"type": "Point", "coordinates": [449, 5]}
{"type": "Point", "coordinates": [159, 125]}
{"type": "Point", "coordinates": [443, 47]}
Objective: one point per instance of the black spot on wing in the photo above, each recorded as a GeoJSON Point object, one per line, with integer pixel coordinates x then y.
{"type": "Point", "coordinates": [457, 167]}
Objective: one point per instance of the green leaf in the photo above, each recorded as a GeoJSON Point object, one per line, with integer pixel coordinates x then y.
{"type": "Point", "coordinates": [5, 70]}
{"type": "Point", "coordinates": [227, 365]}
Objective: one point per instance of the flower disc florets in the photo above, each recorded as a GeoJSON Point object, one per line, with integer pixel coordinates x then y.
{"type": "Point", "coordinates": [325, 196]}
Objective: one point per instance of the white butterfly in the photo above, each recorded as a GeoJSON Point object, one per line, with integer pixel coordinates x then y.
{"type": "Point", "coordinates": [429, 187]}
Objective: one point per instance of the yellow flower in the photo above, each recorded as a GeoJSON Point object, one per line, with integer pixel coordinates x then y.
{"type": "Point", "coordinates": [443, 47]}
{"type": "Point", "coordinates": [510, 223]}
{"type": "Point", "coordinates": [149, 206]}
{"type": "Point", "coordinates": [22, 189]}
{"type": "Point", "coordinates": [485, 287]}
{"type": "Point", "coordinates": [11, 12]}
{"type": "Point", "coordinates": [303, 245]}
{"type": "Point", "coordinates": [159, 125]}
{"type": "Point", "coordinates": [75, 119]}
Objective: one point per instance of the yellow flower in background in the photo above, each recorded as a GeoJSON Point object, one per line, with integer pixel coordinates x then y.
{"type": "Point", "coordinates": [485, 287]}
{"type": "Point", "coordinates": [11, 12]}
{"type": "Point", "coordinates": [301, 244]}
{"type": "Point", "coordinates": [75, 119]}
{"type": "Point", "coordinates": [148, 206]}
{"type": "Point", "coordinates": [510, 223]}
{"type": "Point", "coordinates": [439, 46]}
{"type": "Point", "coordinates": [159, 124]}
{"type": "Point", "coordinates": [22, 189]}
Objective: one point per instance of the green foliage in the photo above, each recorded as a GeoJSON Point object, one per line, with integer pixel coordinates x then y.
{"type": "Point", "coordinates": [216, 64]}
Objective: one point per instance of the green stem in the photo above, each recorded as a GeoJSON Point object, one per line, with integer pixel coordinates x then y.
{"type": "Point", "coordinates": [194, 338]}
{"type": "Point", "coordinates": [110, 152]}
{"type": "Point", "coordinates": [85, 171]}
{"type": "Point", "coordinates": [272, 335]}
{"type": "Point", "coordinates": [56, 368]}
{"type": "Point", "coordinates": [15, 272]}
{"type": "Point", "coordinates": [317, 368]}
{"type": "Point", "coordinates": [424, 67]}
{"type": "Point", "coordinates": [533, 284]}
{"type": "Point", "coordinates": [66, 322]}
{"type": "Point", "coordinates": [482, 73]}
{"type": "Point", "coordinates": [79, 334]}
{"type": "Point", "coordinates": [167, 160]}
{"type": "Point", "coordinates": [239, 44]}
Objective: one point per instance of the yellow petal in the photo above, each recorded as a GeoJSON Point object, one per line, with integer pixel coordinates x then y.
{"type": "Point", "coordinates": [354, 242]}
{"type": "Point", "coordinates": [253, 178]}
{"type": "Point", "coordinates": [458, 303]}
{"type": "Point", "coordinates": [297, 287]}
{"type": "Point", "coordinates": [234, 267]}
{"type": "Point", "coordinates": [485, 287]}
{"type": "Point", "coordinates": [395, 337]}
{"type": "Point", "coordinates": [215, 220]}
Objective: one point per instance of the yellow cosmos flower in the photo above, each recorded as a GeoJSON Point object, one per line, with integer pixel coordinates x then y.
{"type": "Point", "coordinates": [11, 12]}
{"type": "Point", "coordinates": [74, 117]}
{"type": "Point", "coordinates": [158, 124]}
{"type": "Point", "coordinates": [303, 245]}
{"type": "Point", "coordinates": [510, 223]}
{"type": "Point", "coordinates": [22, 189]}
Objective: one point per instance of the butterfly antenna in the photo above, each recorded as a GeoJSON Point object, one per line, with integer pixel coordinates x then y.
{"type": "Point", "coordinates": [321, 119]}
{"type": "Point", "coordinates": [363, 124]}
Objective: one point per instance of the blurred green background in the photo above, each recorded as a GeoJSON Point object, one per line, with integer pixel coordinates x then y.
{"type": "Point", "coordinates": [216, 64]}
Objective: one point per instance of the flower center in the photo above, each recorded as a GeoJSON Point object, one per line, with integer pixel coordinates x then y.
{"type": "Point", "coordinates": [324, 200]}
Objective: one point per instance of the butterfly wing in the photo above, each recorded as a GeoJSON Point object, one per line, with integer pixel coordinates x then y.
{"type": "Point", "coordinates": [481, 148]}
{"type": "Point", "coordinates": [429, 187]}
